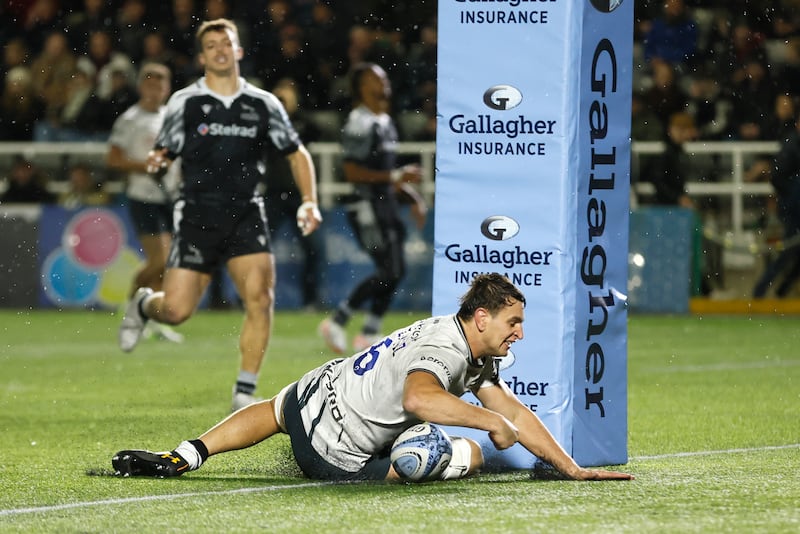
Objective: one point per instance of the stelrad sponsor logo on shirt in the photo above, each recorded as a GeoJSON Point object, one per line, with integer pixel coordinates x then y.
{"type": "Point", "coordinates": [227, 130]}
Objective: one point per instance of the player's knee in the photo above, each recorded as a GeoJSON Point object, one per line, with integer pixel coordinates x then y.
{"type": "Point", "coordinates": [176, 317]}
{"type": "Point", "coordinates": [259, 302]}
{"type": "Point", "coordinates": [173, 314]}
{"type": "Point", "coordinates": [467, 459]}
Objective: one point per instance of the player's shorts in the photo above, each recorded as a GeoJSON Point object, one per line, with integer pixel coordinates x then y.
{"type": "Point", "coordinates": [150, 218]}
{"type": "Point", "coordinates": [311, 462]}
{"type": "Point", "coordinates": [209, 233]}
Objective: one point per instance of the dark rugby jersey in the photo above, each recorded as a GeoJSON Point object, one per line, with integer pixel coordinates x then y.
{"type": "Point", "coordinates": [370, 140]}
{"type": "Point", "coordinates": [223, 140]}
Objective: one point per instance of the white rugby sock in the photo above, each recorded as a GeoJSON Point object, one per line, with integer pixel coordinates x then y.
{"type": "Point", "coordinates": [189, 453]}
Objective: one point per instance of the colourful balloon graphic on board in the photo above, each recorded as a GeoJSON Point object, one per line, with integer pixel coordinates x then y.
{"type": "Point", "coordinates": [96, 260]}
{"type": "Point", "coordinates": [94, 238]}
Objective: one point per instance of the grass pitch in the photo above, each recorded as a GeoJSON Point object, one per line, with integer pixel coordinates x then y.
{"type": "Point", "coordinates": [713, 421]}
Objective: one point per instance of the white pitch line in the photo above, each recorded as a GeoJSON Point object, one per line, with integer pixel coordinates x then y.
{"type": "Point", "coordinates": [713, 453]}
{"type": "Point", "coordinates": [146, 498]}
{"type": "Point", "coordinates": [741, 366]}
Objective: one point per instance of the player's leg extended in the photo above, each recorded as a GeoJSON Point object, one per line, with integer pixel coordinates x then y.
{"type": "Point", "coordinates": [254, 278]}
{"type": "Point", "coordinates": [183, 289]}
{"type": "Point", "coordinates": [151, 272]}
{"type": "Point", "coordinates": [243, 428]}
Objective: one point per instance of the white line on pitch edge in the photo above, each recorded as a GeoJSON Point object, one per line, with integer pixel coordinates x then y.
{"type": "Point", "coordinates": [712, 453]}
{"type": "Point", "coordinates": [146, 498]}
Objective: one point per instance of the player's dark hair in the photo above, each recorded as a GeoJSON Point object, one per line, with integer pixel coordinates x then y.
{"type": "Point", "coordinates": [356, 73]}
{"type": "Point", "coordinates": [490, 291]}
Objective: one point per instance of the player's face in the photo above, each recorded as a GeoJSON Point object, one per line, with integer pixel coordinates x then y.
{"type": "Point", "coordinates": [375, 89]}
{"type": "Point", "coordinates": [504, 328]}
{"type": "Point", "coordinates": [220, 52]}
{"type": "Point", "coordinates": [154, 89]}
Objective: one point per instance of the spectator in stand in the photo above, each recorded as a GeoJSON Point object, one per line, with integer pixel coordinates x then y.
{"type": "Point", "coordinates": [26, 184]}
{"type": "Point", "coordinates": [131, 28]}
{"type": "Point", "coordinates": [785, 19]}
{"type": "Point", "coordinates": [103, 60]}
{"type": "Point", "coordinates": [81, 118]}
{"type": "Point", "coordinates": [84, 190]}
{"type": "Point", "coordinates": [785, 178]}
{"type": "Point", "coordinates": [743, 44]}
{"type": "Point", "coordinates": [20, 106]}
{"type": "Point", "coordinates": [753, 102]}
{"type": "Point", "coordinates": [52, 71]}
{"type": "Point", "coordinates": [664, 97]}
{"type": "Point", "coordinates": [40, 21]}
{"type": "Point", "coordinates": [179, 31]}
{"type": "Point", "coordinates": [292, 61]}
{"type": "Point", "coordinates": [123, 95]}
{"type": "Point", "coordinates": [360, 40]}
{"type": "Point", "coordinates": [781, 124]}
{"type": "Point", "coordinates": [283, 199]}
{"type": "Point", "coordinates": [155, 50]}
{"type": "Point", "coordinates": [787, 74]}
{"type": "Point", "coordinates": [672, 36]}
{"type": "Point", "coordinates": [710, 106]}
{"type": "Point", "coordinates": [422, 60]}
{"type": "Point", "coordinates": [15, 54]}
{"type": "Point", "coordinates": [669, 171]}
{"type": "Point", "coordinates": [645, 126]}
{"type": "Point", "coordinates": [274, 15]}
{"type": "Point", "coordinates": [80, 24]}
{"type": "Point", "coordinates": [326, 38]}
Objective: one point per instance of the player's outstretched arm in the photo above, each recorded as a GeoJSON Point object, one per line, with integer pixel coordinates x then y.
{"type": "Point", "coordinates": [425, 397]}
{"type": "Point", "coordinates": [535, 437]}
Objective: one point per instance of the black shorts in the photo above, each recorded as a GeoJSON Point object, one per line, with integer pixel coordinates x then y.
{"type": "Point", "coordinates": [311, 462]}
{"type": "Point", "coordinates": [208, 234]}
{"type": "Point", "coordinates": [150, 218]}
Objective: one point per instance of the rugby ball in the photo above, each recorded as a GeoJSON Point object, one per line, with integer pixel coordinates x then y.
{"type": "Point", "coordinates": [421, 452]}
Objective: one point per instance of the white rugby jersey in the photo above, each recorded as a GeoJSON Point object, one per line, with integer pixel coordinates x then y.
{"type": "Point", "coordinates": [135, 132]}
{"type": "Point", "coordinates": [223, 140]}
{"type": "Point", "coordinates": [352, 408]}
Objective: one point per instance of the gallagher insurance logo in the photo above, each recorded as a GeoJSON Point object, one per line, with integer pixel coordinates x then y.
{"type": "Point", "coordinates": [499, 228]}
{"type": "Point", "coordinates": [502, 97]}
{"type": "Point", "coordinates": [606, 6]}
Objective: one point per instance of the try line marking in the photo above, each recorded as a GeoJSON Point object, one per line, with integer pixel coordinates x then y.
{"type": "Point", "coordinates": [146, 498]}
{"type": "Point", "coordinates": [712, 453]}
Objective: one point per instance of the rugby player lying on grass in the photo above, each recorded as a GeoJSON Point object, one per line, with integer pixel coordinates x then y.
{"type": "Point", "coordinates": [343, 416]}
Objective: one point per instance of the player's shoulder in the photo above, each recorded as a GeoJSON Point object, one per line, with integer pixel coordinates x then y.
{"type": "Point", "coordinates": [192, 90]}
{"type": "Point", "coordinates": [438, 331]}
{"type": "Point", "coordinates": [252, 91]}
{"type": "Point", "coordinates": [360, 121]}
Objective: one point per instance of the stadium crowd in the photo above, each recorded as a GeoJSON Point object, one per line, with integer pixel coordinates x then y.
{"type": "Point", "coordinates": [710, 70]}
{"type": "Point", "coordinates": [69, 66]}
